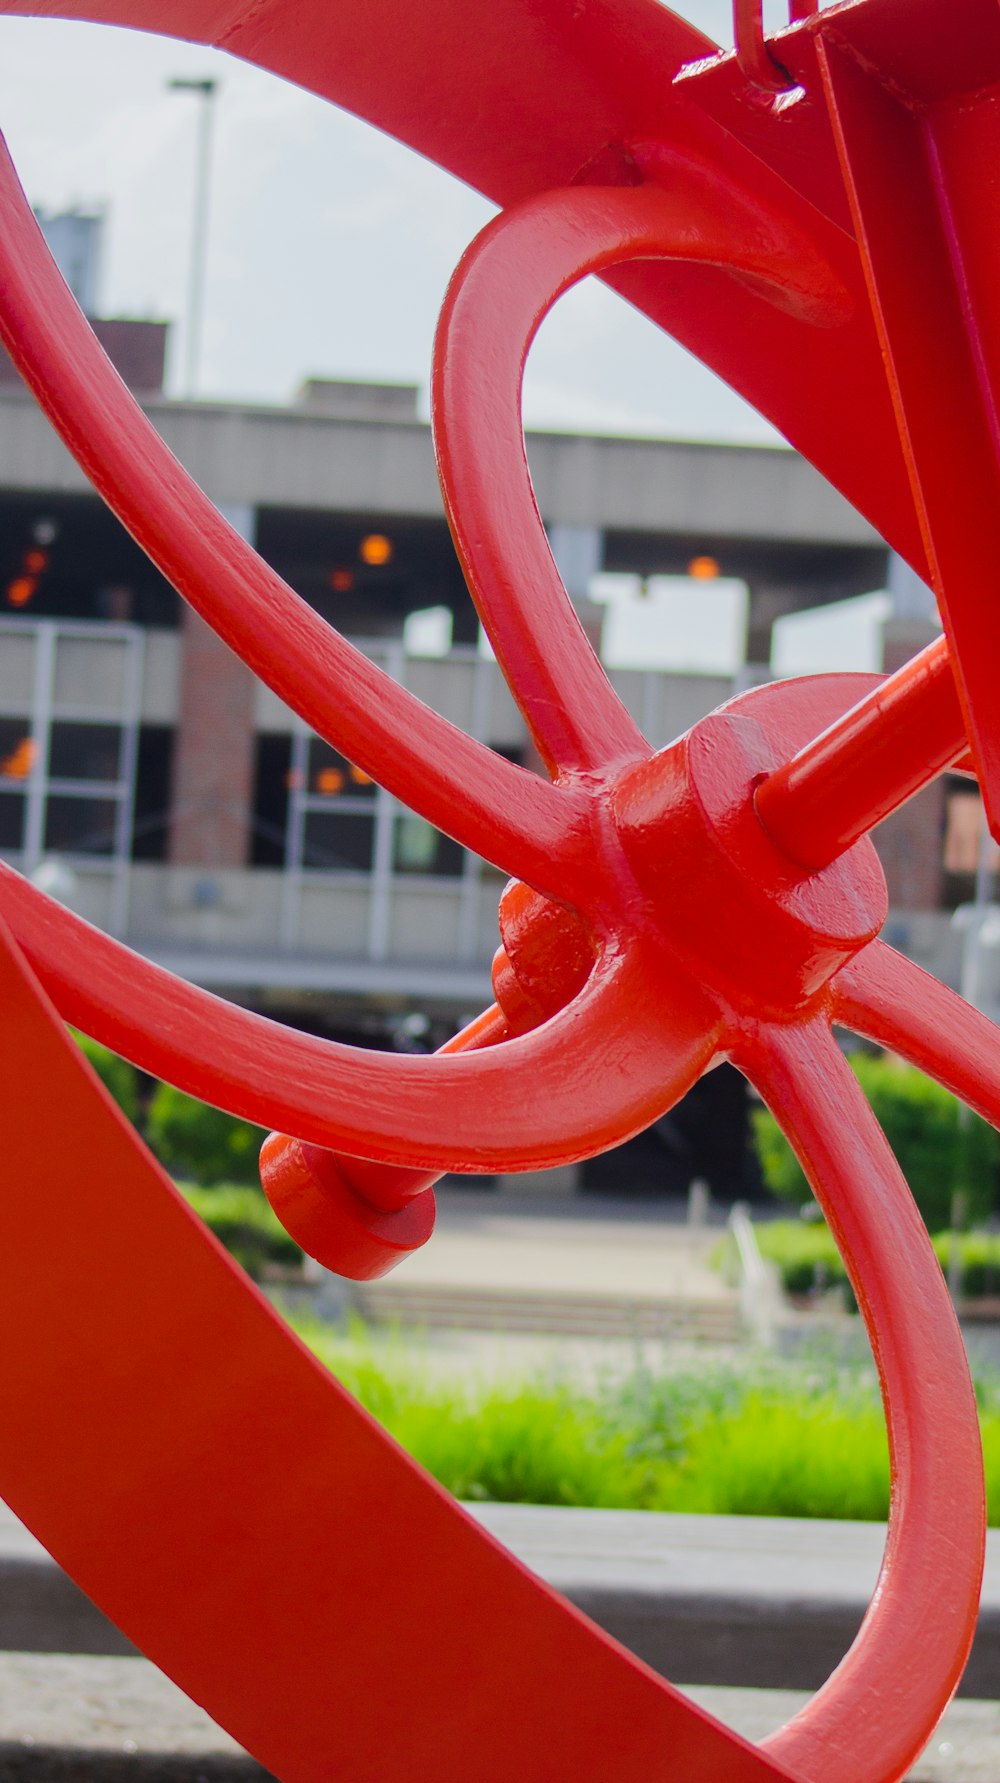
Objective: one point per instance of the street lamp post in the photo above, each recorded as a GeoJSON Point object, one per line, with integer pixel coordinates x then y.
{"type": "Point", "coordinates": [205, 89]}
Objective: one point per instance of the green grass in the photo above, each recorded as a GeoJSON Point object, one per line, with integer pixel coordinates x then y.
{"type": "Point", "coordinates": [754, 1437]}
{"type": "Point", "coordinates": [761, 1439]}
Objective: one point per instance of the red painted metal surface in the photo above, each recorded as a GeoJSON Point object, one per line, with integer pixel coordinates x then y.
{"type": "Point", "coordinates": [817, 233]}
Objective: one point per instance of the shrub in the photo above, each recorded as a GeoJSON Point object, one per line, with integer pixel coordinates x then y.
{"type": "Point", "coordinates": [936, 1152]}
{"type": "Point", "coordinates": [804, 1254]}
{"type": "Point", "coordinates": [243, 1221]}
{"type": "Point", "coordinates": [120, 1079]}
{"type": "Point", "coordinates": [978, 1261]}
{"type": "Point", "coordinates": [806, 1258]}
{"type": "Point", "coordinates": [198, 1142]}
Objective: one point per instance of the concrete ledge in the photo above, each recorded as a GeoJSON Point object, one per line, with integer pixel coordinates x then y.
{"type": "Point", "coordinates": [742, 1601]}
{"type": "Point", "coordinates": [738, 1601]}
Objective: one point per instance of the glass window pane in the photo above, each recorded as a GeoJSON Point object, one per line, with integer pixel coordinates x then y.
{"type": "Point", "coordinates": [90, 674]}
{"type": "Point", "coordinates": [151, 812]}
{"type": "Point", "coordinates": [11, 820]}
{"type": "Point", "coordinates": [339, 841]}
{"type": "Point", "coordinates": [420, 848]}
{"type": "Point", "coordinates": [80, 826]}
{"type": "Point", "coordinates": [271, 790]}
{"type": "Point", "coordinates": [85, 752]}
{"type": "Point", "coordinates": [17, 671]}
{"type": "Point", "coordinates": [17, 749]}
{"type": "Point", "coordinates": [331, 776]}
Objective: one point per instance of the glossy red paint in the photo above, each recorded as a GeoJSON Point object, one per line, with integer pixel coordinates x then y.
{"type": "Point", "coordinates": [717, 899]}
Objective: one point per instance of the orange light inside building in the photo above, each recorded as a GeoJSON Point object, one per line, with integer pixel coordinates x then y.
{"type": "Point", "coordinates": [360, 778]}
{"type": "Point", "coordinates": [36, 561]}
{"type": "Point", "coordinates": [19, 763]}
{"type": "Point", "coordinates": [342, 581]}
{"type": "Point", "coordinates": [375, 548]}
{"type": "Point", "coordinates": [20, 591]}
{"type": "Point", "coordinates": [330, 781]}
{"type": "Point", "coordinates": [703, 569]}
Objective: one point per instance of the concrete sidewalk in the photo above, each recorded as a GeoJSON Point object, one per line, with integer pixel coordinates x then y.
{"type": "Point", "coordinates": [592, 1265]}
{"type": "Point", "coordinates": [66, 1719]}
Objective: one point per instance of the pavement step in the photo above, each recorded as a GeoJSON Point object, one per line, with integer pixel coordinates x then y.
{"type": "Point", "coordinates": [715, 1320]}
{"type": "Point", "coordinates": [762, 1602]}
{"type": "Point", "coordinates": [74, 1719]}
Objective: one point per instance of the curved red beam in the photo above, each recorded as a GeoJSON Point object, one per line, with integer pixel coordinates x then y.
{"type": "Point", "coordinates": [500, 811]}
{"type": "Point", "coordinates": [230, 1506]}
{"type": "Point", "coordinates": [507, 281]}
{"type": "Point", "coordinates": [894, 1002]}
{"type": "Point", "coordinates": [614, 1060]}
{"type": "Point", "coordinates": [875, 1714]}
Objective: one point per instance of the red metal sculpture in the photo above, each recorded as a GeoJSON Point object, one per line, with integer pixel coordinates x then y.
{"type": "Point", "coordinates": [807, 215]}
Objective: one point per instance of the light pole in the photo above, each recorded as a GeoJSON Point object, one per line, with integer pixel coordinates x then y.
{"type": "Point", "coordinates": [205, 89]}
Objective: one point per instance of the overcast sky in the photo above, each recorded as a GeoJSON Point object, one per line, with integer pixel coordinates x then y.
{"type": "Point", "coordinates": [330, 245]}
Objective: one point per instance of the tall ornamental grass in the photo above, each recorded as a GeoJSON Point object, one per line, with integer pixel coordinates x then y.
{"type": "Point", "coordinates": [757, 1438]}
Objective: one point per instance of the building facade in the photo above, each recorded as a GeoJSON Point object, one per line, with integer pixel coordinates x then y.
{"type": "Point", "coordinates": [148, 778]}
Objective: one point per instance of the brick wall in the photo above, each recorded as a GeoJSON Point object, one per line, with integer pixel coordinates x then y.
{"type": "Point", "coordinates": [137, 350]}
{"type": "Point", "coordinates": [212, 790]}
{"type": "Point", "coordinates": [909, 843]}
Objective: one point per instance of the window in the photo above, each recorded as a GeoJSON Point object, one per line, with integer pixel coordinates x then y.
{"type": "Point", "coordinates": [151, 812]}
{"type": "Point", "coordinates": [85, 752]}
{"type": "Point", "coordinates": [271, 800]}
{"type": "Point", "coordinates": [338, 841]}
{"type": "Point", "coordinates": [80, 825]}
{"type": "Point", "coordinates": [963, 837]}
{"type": "Point", "coordinates": [420, 848]}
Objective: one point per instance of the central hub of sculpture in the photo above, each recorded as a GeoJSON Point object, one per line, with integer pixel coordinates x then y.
{"type": "Point", "coordinates": [700, 877]}
{"type": "Point", "coordinates": [752, 923]}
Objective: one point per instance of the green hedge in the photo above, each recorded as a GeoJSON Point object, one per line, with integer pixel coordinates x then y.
{"type": "Point", "coordinates": [808, 1261]}
{"type": "Point", "coordinates": [242, 1220]}
{"type": "Point", "coordinates": [921, 1123]}
{"type": "Point", "coordinates": [200, 1143]}
{"type": "Point", "coordinates": [119, 1078]}
{"type": "Point", "coordinates": [978, 1260]}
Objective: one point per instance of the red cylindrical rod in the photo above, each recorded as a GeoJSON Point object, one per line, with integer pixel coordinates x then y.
{"type": "Point", "coordinates": [871, 761]}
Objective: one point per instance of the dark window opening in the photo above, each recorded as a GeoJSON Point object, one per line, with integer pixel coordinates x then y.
{"type": "Point", "coordinates": [963, 837]}
{"type": "Point", "coordinates": [151, 814]}
{"type": "Point", "coordinates": [331, 776]}
{"type": "Point", "coordinates": [338, 841]}
{"type": "Point", "coordinates": [18, 749]}
{"type": "Point", "coordinates": [68, 557]}
{"type": "Point", "coordinates": [85, 752]}
{"type": "Point", "coordinates": [80, 825]}
{"type": "Point", "coordinates": [419, 848]}
{"type": "Point", "coordinates": [269, 825]}
{"type": "Point", "coordinates": [11, 821]}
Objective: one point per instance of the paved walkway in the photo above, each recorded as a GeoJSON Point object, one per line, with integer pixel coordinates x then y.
{"type": "Point", "coordinates": [572, 1266]}
{"type": "Point", "coordinates": [587, 1245]}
